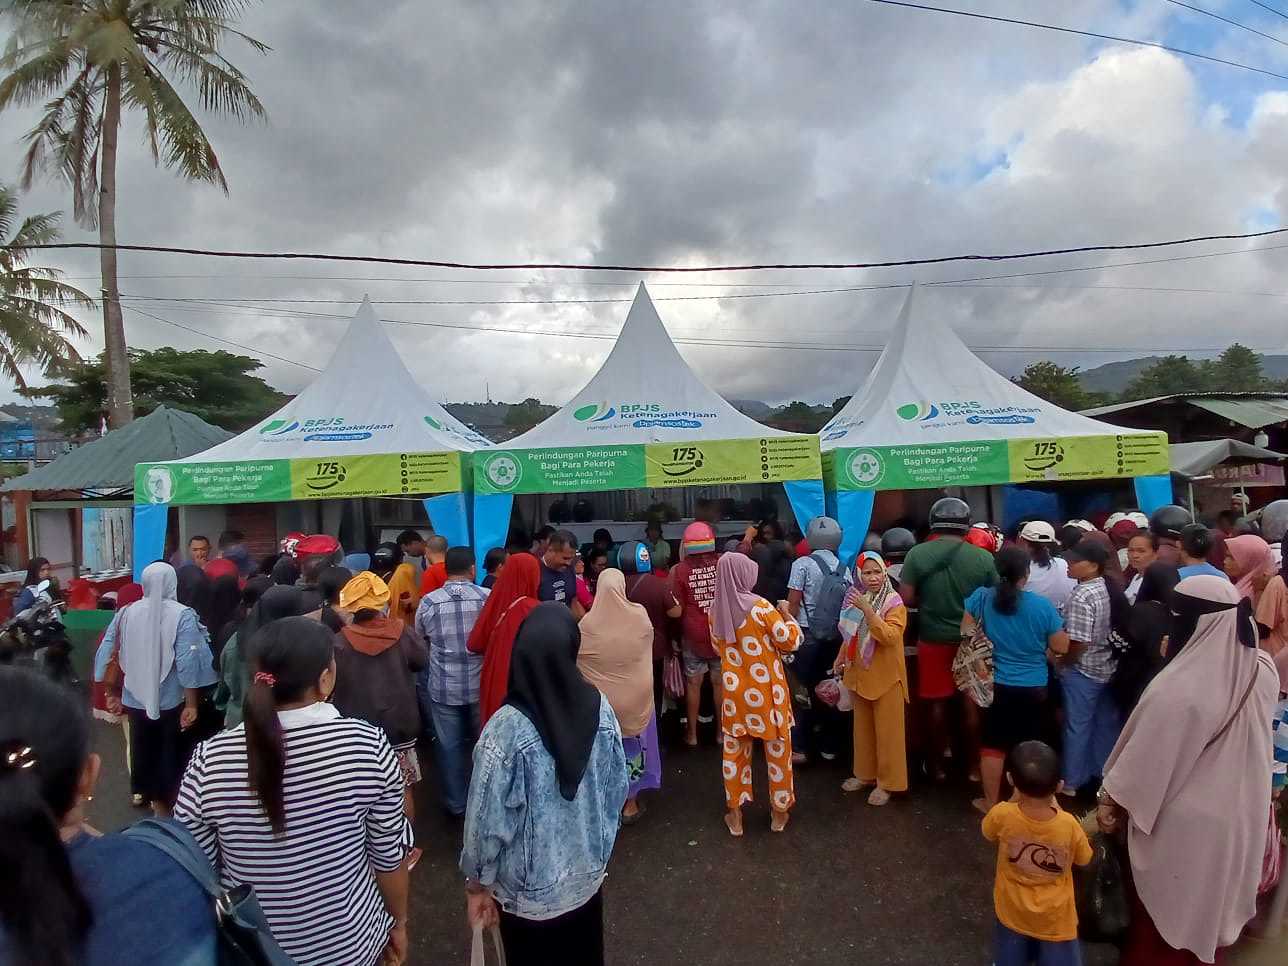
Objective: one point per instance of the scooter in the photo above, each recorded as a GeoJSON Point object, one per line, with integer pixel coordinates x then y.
{"type": "Point", "coordinates": [37, 638]}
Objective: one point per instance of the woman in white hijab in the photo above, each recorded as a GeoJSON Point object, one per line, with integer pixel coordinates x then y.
{"type": "Point", "coordinates": [163, 656]}
{"type": "Point", "coordinates": [1189, 781]}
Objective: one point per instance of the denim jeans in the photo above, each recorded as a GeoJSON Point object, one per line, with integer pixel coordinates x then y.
{"type": "Point", "coordinates": [426, 709]}
{"type": "Point", "coordinates": [1012, 949]}
{"type": "Point", "coordinates": [457, 728]}
{"type": "Point", "coordinates": [1092, 723]}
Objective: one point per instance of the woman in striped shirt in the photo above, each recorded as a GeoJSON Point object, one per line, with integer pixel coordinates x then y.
{"type": "Point", "coordinates": [306, 807]}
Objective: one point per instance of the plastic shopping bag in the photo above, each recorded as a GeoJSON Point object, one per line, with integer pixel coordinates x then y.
{"type": "Point", "coordinates": [477, 955]}
{"type": "Point", "coordinates": [1101, 895]}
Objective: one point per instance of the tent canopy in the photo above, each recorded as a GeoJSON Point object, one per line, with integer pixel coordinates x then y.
{"type": "Point", "coordinates": [645, 419]}
{"type": "Point", "coordinates": [934, 414]}
{"type": "Point", "coordinates": [363, 427]}
{"type": "Point", "coordinates": [108, 463]}
{"type": "Point", "coordinates": [1199, 459]}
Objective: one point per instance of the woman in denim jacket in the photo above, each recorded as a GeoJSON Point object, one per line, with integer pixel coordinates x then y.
{"type": "Point", "coordinates": [548, 787]}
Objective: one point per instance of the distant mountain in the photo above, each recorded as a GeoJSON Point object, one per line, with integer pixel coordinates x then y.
{"type": "Point", "coordinates": [1114, 377]}
{"type": "Point", "coordinates": [752, 408]}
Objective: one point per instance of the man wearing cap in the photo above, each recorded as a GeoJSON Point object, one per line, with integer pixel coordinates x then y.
{"type": "Point", "coordinates": [693, 585]}
{"type": "Point", "coordinates": [1092, 719]}
{"type": "Point", "coordinates": [1049, 574]}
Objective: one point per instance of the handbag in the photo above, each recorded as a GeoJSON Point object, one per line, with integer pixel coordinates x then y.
{"type": "Point", "coordinates": [1100, 894]}
{"type": "Point", "coordinates": [241, 928]}
{"type": "Point", "coordinates": [477, 952]}
{"type": "Point", "coordinates": [1272, 861]}
{"type": "Point", "coordinates": [673, 676]}
{"type": "Point", "coordinates": [973, 665]}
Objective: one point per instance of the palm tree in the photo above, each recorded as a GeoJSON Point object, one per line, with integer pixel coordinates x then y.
{"type": "Point", "coordinates": [33, 325]}
{"type": "Point", "coordinates": [89, 59]}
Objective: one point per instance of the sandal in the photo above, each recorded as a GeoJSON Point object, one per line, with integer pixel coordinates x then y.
{"type": "Point", "coordinates": [855, 785]}
{"type": "Point", "coordinates": [779, 822]}
{"type": "Point", "coordinates": [634, 817]}
{"type": "Point", "coordinates": [733, 821]}
{"type": "Point", "coordinates": [879, 797]}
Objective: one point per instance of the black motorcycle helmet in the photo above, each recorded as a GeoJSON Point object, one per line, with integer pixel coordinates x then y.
{"type": "Point", "coordinates": [950, 515]}
{"type": "Point", "coordinates": [872, 542]}
{"type": "Point", "coordinates": [1168, 521]}
{"type": "Point", "coordinates": [896, 542]}
{"type": "Point", "coordinates": [1246, 525]}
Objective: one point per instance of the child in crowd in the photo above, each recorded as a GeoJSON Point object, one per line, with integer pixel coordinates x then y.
{"type": "Point", "coordinates": [1038, 844]}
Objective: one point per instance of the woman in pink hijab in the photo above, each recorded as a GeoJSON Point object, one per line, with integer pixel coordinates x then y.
{"type": "Point", "coordinates": [749, 634]}
{"type": "Point", "coordinates": [1250, 563]}
{"type": "Point", "coordinates": [1188, 781]}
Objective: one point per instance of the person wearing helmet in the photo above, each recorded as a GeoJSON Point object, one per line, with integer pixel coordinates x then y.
{"type": "Point", "coordinates": [986, 537]}
{"type": "Point", "coordinates": [644, 587]}
{"type": "Point", "coordinates": [1274, 523]}
{"type": "Point", "coordinates": [1166, 523]}
{"type": "Point", "coordinates": [819, 728]}
{"type": "Point", "coordinates": [895, 544]}
{"type": "Point", "coordinates": [937, 578]}
{"type": "Point", "coordinates": [693, 586]}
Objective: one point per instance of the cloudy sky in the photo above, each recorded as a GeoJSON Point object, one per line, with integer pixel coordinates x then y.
{"type": "Point", "coordinates": [671, 132]}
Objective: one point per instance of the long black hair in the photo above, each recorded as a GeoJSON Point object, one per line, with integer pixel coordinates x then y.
{"type": "Point", "coordinates": [33, 571]}
{"type": "Point", "coordinates": [44, 741]}
{"type": "Point", "coordinates": [289, 656]}
{"type": "Point", "coordinates": [1012, 567]}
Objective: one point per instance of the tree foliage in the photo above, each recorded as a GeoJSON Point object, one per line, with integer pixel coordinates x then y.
{"type": "Point", "coordinates": [1237, 369]}
{"type": "Point", "coordinates": [1056, 384]}
{"type": "Point", "coordinates": [217, 386]}
{"type": "Point", "coordinates": [800, 417]}
{"type": "Point", "coordinates": [523, 416]}
{"type": "Point", "coordinates": [34, 323]}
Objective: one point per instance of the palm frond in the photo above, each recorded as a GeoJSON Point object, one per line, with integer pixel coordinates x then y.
{"type": "Point", "coordinates": [51, 316]}
{"type": "Point", "coordinates": [35, 77]}
{"type": "Point", "coordinates": [185, 143]}
{"type": "Point", "coordinates": [222, 87]}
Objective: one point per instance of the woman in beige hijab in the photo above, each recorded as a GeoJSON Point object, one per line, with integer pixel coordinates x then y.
{"type": "Point", "coordinates": [616, 656]}
{"type": "Point", "coordinates": [1189, 781]}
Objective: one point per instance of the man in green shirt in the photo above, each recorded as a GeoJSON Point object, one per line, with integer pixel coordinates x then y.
{"type": "Point", "coordinates": [937, 578]}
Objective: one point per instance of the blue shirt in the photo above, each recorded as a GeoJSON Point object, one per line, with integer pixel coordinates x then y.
{"type": "Point", "coordinates": [444, 620]}
{"type": "Point", "coordinates": [147, 910]}
{"type": "Point", "coordinates": [540, 854]}
{"type": "Point", "coordinates": [193, 667]}
{"type": "Point", "coordinates": [1019, 639]}
{"type": "Point", "coordinates": [1204, 569]}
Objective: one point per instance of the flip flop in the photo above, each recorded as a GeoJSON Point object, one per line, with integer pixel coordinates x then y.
{"type": "Point", "coordinates": [633, 818]}
{"type": "Point", "coordinates": [736, 833]}
{"type": "Point", "coordinates": [773, 822]}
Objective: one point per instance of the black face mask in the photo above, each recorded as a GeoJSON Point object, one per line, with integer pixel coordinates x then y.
{"type": "Point", "coordinates": [1187, 610]}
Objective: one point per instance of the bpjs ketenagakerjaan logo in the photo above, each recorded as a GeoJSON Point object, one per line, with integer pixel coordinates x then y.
{"type": "Point", "coordinates": [325, 429]}
{"type": "Point", "coordinates": [639, 415]}
{"type": "Point", "coordinates": [958, 412]}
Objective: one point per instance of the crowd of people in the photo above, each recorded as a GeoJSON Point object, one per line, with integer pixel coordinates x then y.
{"type": "Point", "coordinates": [277, 714]}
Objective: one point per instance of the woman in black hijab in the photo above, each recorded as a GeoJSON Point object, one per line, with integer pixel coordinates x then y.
{"type": "Point", "coordinates": [225, 597]}
{"type": "Point", "coordinates": [570, 786]}
{"type": "Point", "coordinates": [1149, 621]}
{"type": "Point", "coordinates": [194, 591]}
{"type": "Point", "coordinates": [286, 572]}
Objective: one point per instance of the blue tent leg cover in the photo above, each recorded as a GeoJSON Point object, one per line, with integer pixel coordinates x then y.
{"type": "Point", "coordinates": [854, 514]}
{"type": "Point", "coordinates": [806, 498]}
{"type": "Point", "coordinates": [491, 524]}
{"type": "Point", "coordinates": [1153, 492]}
{"type": "Point", "coordinates": [450, 518]}
{"type": "Point", "coordinates": [149, 534]}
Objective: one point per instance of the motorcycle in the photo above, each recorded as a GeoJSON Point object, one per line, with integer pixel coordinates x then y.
{"type": "Point", "coordinates": [37, 638]}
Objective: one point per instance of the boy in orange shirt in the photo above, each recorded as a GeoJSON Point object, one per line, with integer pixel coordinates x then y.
{"type": "Point", "coordinates": [1038, 844]}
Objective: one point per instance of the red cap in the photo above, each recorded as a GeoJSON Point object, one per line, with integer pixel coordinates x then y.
{"type": "Point", "coordinates": [318, 543]}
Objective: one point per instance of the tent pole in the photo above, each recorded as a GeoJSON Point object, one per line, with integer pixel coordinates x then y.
{"type": "Point", "coordinates": [1193, 512]}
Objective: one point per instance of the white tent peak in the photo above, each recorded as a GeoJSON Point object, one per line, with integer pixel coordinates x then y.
{"type": "Point", "coordinates": [643, 393]}
{"type": "Point", "coordinates": [928, 387]}
{"type": "Point", "coordinates": [365, 402]}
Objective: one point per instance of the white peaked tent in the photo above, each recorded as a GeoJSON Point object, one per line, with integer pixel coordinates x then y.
{"type": "Point", "coordinates": [364, 427]}
{"type": "Point", "coordinates": [644, 420]}
{"type": "Point", "coordinates": [933, 414]}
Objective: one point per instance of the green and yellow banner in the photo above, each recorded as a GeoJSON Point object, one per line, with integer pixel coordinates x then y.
{"type": "Point", "coordinates": [772, 459]}
{"type": "Point", "coordinates": [322, 478]}
{"type": "Point", "coordinates": [987, 462]}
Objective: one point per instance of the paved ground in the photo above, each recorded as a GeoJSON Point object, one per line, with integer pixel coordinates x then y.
{"type": "Point", "coordinates": [910, 883]}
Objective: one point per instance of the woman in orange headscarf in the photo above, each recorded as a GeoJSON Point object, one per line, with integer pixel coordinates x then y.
{"type": "Point", "coordinates": [513, 597]}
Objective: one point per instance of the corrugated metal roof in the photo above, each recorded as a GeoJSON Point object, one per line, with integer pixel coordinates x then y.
{"type": "Point", "coordinates": [1251, 409]}
{"type": "Point", "coordinates": [1197, 459]}
{"type": "Point", "coordinates": [108, 463]}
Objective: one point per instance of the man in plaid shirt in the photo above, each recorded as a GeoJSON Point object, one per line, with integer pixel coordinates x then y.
{"type": "Point", "coordinates": [1092, 719]}
{"type": "Point", "coordinates": [449, 686]}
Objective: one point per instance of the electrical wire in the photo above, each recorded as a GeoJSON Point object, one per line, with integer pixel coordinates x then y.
{"type": "Point", "coordinates": [215, 338]}
{"type": "Point", "coordinates": [1227, 20]}
{"type": "Point", "coordinates": [682, 269]}
{"type": "Point", "coordinates": [975, 15]}
{"type": "Point", "coordinates": [1266, 6]}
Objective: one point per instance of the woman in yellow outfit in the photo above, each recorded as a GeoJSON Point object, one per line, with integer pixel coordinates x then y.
{"type": "Point", "coordinates": [749, 635]}
{"type": "Point", "coordinates": [873, 669]}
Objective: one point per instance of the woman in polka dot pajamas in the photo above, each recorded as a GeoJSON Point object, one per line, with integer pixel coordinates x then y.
{"type": "Point", "coordinates": [750, 635]}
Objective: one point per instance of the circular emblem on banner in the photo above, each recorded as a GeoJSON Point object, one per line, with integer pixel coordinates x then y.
{"type": "Point", "coordinates": [866, 467]}
{"type": "Point", "coordinates": [503, 471]}
{"type": "Point", "coordinates": [159, 484]}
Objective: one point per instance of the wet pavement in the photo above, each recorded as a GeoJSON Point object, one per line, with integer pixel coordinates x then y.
{"type": "Point", "coordinates": [845, 884]}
